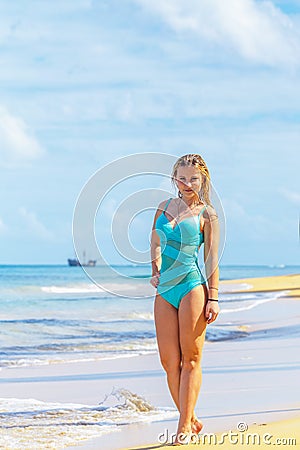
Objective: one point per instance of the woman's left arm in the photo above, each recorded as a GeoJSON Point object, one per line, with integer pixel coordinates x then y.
{"type": "Point", "coordinates": [211, 260]}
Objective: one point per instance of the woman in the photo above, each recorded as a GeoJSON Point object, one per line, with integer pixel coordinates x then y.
{"type": "Point", "coordinates": [184, 304]}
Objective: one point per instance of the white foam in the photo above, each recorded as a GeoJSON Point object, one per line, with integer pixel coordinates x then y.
{"type": "Point", "coordinates": [72, 290]}
{"type": "Point", "coordinates": [233, 287]}
{"type": "Point", "coordinates": [137, 315]}
{"type": "Point", "coordinates": [136, 349]}
{"type": "Point", "coordinates": [88, 288]}
{"type": "Point", "coordinates": [246, 305]}
{"type": "Point", "coordinates": [30, 423]}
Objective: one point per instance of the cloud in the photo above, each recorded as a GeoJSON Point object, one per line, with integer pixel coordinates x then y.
{"type": "Point", "coordinates": [3, 227]}
{"type": "Point", "coordinates": [17, 143]}
{"type": "Point", "coordinates": [255, 226]}
{"type": "Point", "coordinates": [292, 196]}
{"type": "Point", "coordinates": [34, 225]}
{"type": "Point", "coordinates": [257, 31]}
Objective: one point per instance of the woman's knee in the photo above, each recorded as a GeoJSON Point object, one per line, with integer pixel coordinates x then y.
{"type": "Point", "coordinates": [170, 364]}
{"type": "Point", "coordinates": [191, 362]}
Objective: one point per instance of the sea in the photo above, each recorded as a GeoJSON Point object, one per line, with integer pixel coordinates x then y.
{"type": "Point", "coordinates": [53, 314]}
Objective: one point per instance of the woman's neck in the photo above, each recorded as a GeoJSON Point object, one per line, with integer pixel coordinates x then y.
{"type": "Point", "coordinates": [191, 203]}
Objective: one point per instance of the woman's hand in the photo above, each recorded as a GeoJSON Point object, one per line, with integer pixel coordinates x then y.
{"type": "Point", "coordinates": [211, 312]}
{"type": "Point", "coordinates": [154, 280]}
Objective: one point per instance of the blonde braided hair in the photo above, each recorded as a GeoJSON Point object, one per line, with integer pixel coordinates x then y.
{"type": "Point", "coordinates": [193, 159]}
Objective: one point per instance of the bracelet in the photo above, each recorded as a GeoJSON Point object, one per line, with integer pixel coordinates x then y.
{"type": "Point", "coordinates": [212, 300]}
{"type": "Point", "coordinates": [213, 288]}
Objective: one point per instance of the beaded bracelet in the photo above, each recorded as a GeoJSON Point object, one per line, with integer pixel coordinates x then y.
{"type": "Point", "coordinates": [212, 300]}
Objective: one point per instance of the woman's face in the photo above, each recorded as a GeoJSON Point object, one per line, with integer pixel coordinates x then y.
{"type": "Point", "coordinates": [188, 180]}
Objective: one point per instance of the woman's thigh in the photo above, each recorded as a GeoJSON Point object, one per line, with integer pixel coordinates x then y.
{"type": "Point", "coordinates": [192, 322]}
{"type": "Point", "coordinates": [167, 331]}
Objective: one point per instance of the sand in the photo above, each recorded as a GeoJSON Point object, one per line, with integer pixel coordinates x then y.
{"type": "Point", "coordinates": [284, 433]}
{"type": "Point", "coordinates": [289, 283]}
{"type": "Point", "coordinates": [255, 381]}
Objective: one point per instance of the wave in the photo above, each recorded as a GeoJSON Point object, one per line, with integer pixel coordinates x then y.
{"type": "Point", "coordinates": [88, 288]}
{"type": "Point", "coordinates": [79, 348]}
{"type": "Point", "coordinates": [77, 289]}
{"type": "Point", "coordinates": [123, 318]}
{"type": "Point", "coordinates": [72, 289]}
{"type": "Point", "coordinates": [257, 299]}
{"type": "Point", "coordinates": [232, 287]}
{"type": "Point", "coordinates": [29, 362]}
{"type": "Point", "coordinates": [66, 424]}
{"type": "Point", "coordinates": [215, 334]}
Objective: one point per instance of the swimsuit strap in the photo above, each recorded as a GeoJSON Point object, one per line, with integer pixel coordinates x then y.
{"type": "Point", "coordinates": [167, 204]}
{"type": "Point", "coordinates": [202, 210]}
{"type": "Point", "coordinates": [204, 207]}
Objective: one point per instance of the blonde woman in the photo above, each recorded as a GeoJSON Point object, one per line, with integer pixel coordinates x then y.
{"type": "Point", "coordinates": [185, 301]}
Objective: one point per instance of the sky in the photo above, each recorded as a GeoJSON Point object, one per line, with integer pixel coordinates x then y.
{"type": "Point", "coordinates": [84, 83]}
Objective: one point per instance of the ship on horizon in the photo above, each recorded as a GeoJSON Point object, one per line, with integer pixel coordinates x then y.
{"type": "Point", "coordinates": [75, 262]}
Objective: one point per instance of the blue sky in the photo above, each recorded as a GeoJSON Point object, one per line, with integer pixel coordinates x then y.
{"type": "Point", "coordinates": [86, 82]}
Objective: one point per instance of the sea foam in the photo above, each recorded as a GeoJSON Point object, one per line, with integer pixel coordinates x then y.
{"type": "Point", "coordinates": [59, 425]}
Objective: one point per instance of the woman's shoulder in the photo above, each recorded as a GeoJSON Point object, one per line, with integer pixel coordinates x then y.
{"type": "Point", "coordinates": [210, 213]}
{"type": "Point", "coordinates": [160, 209]}
{"type": "Point", "coordinates": [164, 203]}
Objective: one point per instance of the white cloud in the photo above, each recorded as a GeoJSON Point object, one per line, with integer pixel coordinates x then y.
{"type": "Point", "coordinates": [257, 31]}
{"type": "Point", "coordinates": [292, 196]}
{"type": "Point", "coordinates": [17, 143]}
{"type": "Point", "coordinates": [3, 227]}
{"type": "Point", "coordinates": [34, 225]}
{"type": "Point", "coordinates": [256, 226]}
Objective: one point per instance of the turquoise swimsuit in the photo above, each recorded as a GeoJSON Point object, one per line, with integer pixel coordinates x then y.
{"type": "Point", "coordinates": [180, 245]}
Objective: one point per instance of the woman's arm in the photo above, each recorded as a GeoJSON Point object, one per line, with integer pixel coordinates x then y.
{"type": "Point", "coordinates": [155, 252]}
{"type": "Point", "coordinates": [211, 255]}
{"type": "Point", "coordinates": [156, 247]}
{"type": "Point", "coordinates": [155, 242]}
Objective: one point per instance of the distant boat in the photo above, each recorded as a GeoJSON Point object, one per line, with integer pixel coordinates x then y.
{"type": "Point", "coordinates": [75, 262]}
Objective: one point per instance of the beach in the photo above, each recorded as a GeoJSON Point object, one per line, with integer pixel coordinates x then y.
{"type": "Point", "coordinates": [250, 364]}
{"type": "Point", "coordinates": [260, 435]}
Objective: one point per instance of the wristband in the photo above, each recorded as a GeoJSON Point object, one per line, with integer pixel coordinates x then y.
{"type": "Point", "coordinates": [212, 300]}
{"type": "Point", "coordinates": [213, 288]}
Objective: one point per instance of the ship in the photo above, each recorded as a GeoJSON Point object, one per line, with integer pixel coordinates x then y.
{"type": "Point", "coordinates": [75, 262]}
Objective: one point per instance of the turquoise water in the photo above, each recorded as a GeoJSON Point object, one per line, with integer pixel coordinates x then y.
{"type": "Point", "coordinates": [52, 314]}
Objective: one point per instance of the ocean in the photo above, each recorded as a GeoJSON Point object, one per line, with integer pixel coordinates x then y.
{"type": "Point", "coordinates": [57, 314]}
{"type": "Point", "coordinates": [53, 314]}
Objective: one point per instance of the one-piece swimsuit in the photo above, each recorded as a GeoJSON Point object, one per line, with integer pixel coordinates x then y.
{"type": "Point", "coordinates": [180, 245]}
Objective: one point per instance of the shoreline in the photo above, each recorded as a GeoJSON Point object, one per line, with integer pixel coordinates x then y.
{"type": "Point", "coordinates": [259, 377]}
{"type": "Point", "coordinates": [290, 283]}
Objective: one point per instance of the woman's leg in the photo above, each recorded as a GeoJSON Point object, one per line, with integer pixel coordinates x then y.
{"type": "Point", "coordinates": [192, 328]}
{"type": "Point", "coordinates": [167, 334]}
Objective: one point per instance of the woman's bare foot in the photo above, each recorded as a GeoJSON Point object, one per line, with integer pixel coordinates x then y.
{"type": "Point", "coordinates": [197, 425]}
{"type": "Point", "coordinates": [183, 436]}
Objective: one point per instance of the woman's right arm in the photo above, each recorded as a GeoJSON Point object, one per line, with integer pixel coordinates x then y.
{"type": "Point", "coordinates": [156, 247]}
